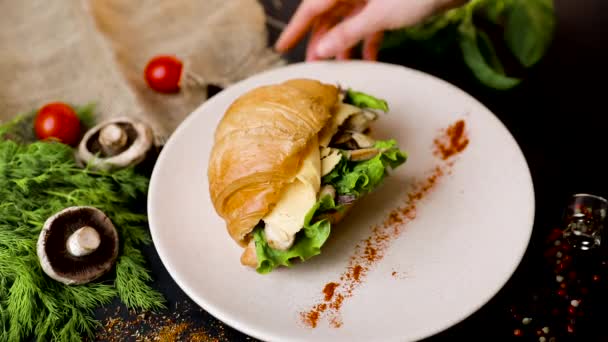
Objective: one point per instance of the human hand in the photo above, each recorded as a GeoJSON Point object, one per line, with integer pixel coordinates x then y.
{"type": "Point", "coordinates": [338, 25]}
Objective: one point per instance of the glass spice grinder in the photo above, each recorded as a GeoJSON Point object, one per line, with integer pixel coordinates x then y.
{"type": "Point", "coordinates": [585, 219]}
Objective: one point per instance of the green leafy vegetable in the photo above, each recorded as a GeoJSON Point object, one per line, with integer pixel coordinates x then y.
{"type": "Point", "coordinates": [528, 27]}
{"type": "Point", "coordinates": [36, 181]}
{"type": "Point", "coordinates": [477, 63]}
{"type": "Point", "coordinates": [363, 100]}
{"type": "Point", "coordinates": [326, 204]}
{"type": "Point", "coordinates": [307, 244]}
{"type": "Point", "coordinates": [337, 172]}
{"type": "Point", "coordinates": [495, 10]}
{"type": "Point", "coordinates": [529, 30]}
{"type": "Point", "coordinates": [489, 53]}
{"type": "Point", "coordinates": [360, 178]}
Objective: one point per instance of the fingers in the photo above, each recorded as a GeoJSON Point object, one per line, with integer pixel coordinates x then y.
{"type": "Point", "coordinates": [301, 21]}
{"type": "Point", "coordinates": [371, 46]}
{"type": "Point", "coordinates": [315, 36]}
{"type": "Point", "coordinates": [344, 55]}
{"type": "Point", "coordinates": [320, 27]}
{"type": "Point", "coordinates": [348, 33]}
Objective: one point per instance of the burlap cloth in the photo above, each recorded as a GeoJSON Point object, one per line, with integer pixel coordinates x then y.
{"type": "Point", "coordinates": [80, 51]}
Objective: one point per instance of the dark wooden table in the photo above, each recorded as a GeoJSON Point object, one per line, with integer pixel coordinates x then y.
{"type": "Point", "coordinates": [557, 116]}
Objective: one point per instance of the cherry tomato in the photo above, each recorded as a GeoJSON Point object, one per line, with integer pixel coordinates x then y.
{"type": "Point", "coordinates": [57, 121]}
{"type": "Point", "coordinates": [163, 74]}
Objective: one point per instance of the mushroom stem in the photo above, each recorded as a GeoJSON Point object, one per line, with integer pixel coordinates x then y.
{"type": "Point", "coordinates": [83, 241]}
{"type": "Point", "coordinates": [112, 139]}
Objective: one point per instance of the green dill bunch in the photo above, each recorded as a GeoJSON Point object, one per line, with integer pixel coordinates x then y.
{"type": "Point", "coordinates": [36, 181]}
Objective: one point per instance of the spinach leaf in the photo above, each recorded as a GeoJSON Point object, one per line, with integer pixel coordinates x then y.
{"type": "Point", "coordinates": [529, 29]}
{"type": "Point", "coordinates": [429, 30]}
{"type": "Point", "coordinates": [475, 61]}
{"type": "Point", "coordinates": [487, 50]}
{"type": "Point", "coordinates": [495, 10]}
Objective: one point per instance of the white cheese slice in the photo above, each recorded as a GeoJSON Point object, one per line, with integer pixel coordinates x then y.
{"type": "Point", "coordinates": [287, 217]}
{"type": "Point", "coordinates": [343, 112]}
{"type": "Point", "coordinates": [311, 167]}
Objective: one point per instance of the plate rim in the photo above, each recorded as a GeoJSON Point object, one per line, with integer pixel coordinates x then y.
{"type": "Point", "coordinates": [267, 335]}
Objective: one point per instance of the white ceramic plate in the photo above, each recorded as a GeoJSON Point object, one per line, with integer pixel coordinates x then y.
{"type": "Point", "coordinates": [469, 235]}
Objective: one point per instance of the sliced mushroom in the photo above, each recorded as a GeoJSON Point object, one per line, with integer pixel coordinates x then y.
{"type": "Point", "coordinates": [327, 190]}
{"type": "Point", "coordinates": [370, 114]}
{"type": "Point", "coordinates": [363, 154]}
{"type": "Point", "coordinates": [344, 140]}
{"type": "Point", "coordinates": [77, 245]}
{"type": "Point", "coordinates": [342, 137]}
{"type": "Point", "coordinates": [358, 122]}
{"type": "Point", "coordinates": [362, 140]}
{"type": "Point", "coordinates": [350, 145]}
{"type": "Point", "coordinates": [351, 140]}
{"type": "Point", "coordinates": [115, 144]}
{"type": "Point", "coordinates": [341, 114]}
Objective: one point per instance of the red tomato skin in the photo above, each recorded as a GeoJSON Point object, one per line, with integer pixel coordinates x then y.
{"type": "Point", "coordinates": [163, 73]}
{"type": "Point", "coordinates": [57, 121]}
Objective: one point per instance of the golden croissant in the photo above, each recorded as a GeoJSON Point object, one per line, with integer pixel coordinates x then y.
{"type": "Point", "coordinates": [288, 161]}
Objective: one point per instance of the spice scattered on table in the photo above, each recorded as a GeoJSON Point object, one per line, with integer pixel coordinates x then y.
{"type": "Point", "coordinates": [370, 251]}
{"type": "Point", "coordinates": [181, 324]}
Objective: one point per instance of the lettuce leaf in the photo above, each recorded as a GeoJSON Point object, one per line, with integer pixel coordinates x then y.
{"type": "Point", "coordinates": [307, 244]}
{"type": "Point", "coordinates": [362, 100]}
{"type": "Point", "coordinates": [360, 178]}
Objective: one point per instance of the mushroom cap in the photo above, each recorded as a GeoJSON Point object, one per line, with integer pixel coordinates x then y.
{"type": "Point", "coordinates": [139, 142]}
{"type": "Point", "coordinates": [56, 260]}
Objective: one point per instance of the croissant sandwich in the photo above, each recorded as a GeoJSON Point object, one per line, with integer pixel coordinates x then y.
{"type": "Point", "coordinates": [287, 163]}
